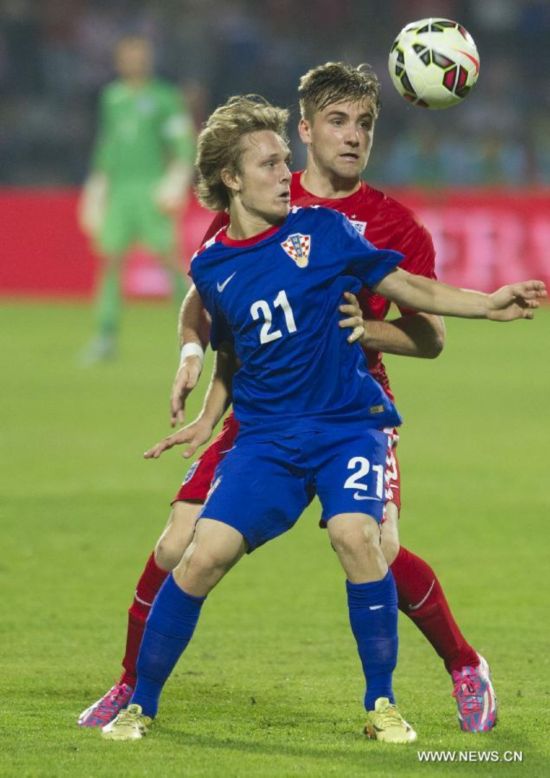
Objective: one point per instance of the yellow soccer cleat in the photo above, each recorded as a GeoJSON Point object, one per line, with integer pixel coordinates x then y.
{"type": "Point", "coordinates": [387, 724]}
{"type": "Point", "coordinates": [130, 724]}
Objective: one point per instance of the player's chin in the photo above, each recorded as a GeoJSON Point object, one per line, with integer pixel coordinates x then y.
{"type": "Point", "coordinates": [281, 207]}
{"type": "Point", "coordinates": [349, 167]}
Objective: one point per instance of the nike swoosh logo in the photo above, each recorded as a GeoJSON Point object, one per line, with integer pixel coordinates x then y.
{"type": "Point", "coordinates": [423, 600]}
{"type": "Point", "coordinates": [375, 607]}
{"type": "Point", "coordinates": [221, 287]}
{"type": "Point", "coordinates": [358, 496]}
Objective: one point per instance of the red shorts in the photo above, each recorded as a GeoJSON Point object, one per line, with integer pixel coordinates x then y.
{"type": "Point", "coordinates": [200, 475]}
{"type": "Point", "coordinates": [392, 475]}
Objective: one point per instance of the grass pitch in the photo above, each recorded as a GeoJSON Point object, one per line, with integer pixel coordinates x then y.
{"type": "Point", "coordinates": [271, 684]}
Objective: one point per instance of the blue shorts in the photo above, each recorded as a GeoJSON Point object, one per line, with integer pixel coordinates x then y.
{"type": "Point", "coordinates": [262, 486]}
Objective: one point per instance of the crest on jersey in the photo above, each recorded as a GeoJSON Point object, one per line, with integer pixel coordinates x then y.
{"type": "Point", "coordinates": [297, 247]}
{"type": "Point", "coordinates": [190, 473]}
{"type": "Point", "coordinates": [359, 226]}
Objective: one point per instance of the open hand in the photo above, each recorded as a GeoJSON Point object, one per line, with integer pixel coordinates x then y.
{"type": "Point", "coordinates": [516, 301]}
{"type": "Point", "coordinates": [194, 434]}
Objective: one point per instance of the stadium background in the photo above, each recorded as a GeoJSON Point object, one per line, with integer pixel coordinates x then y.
{"type": "Point", "coordinates": [79, 510]}
{"type": "Point", "coordinates": [55, 55]}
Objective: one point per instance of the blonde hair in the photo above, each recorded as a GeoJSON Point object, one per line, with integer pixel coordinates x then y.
{"type": "Point", "coordinates": [334, 82]}
{"type": "Point", "coordinates": [219, 147]}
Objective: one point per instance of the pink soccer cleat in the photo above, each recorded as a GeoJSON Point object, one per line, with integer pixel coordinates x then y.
{"type": "Point", "coordinates": [107, 707]}
{"type": "Point", "coordinates": [475, 697]}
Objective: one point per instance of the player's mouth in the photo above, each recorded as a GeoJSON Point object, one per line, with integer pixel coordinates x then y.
{"type": "Point", "coordinates": [285, 196]}
{"type": "Point", "coordinates": [350, 156]}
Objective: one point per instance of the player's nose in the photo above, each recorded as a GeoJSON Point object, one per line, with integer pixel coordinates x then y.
{"type": "Point", "coordinates": [352, 136]}
{"type": "Point", "coordinates": [286, 175]}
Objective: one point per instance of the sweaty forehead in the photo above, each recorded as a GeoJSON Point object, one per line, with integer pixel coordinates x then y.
{"type": "Point", "coordinates": [263, 143]}
{"type": "Point", "coordinates": [354, 108]}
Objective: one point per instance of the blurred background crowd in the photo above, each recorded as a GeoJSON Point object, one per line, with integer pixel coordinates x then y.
{"type": "Point", "coordinates": [55, 55]}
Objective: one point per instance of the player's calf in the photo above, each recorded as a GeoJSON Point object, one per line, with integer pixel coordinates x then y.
{"type": "Point", "coordinates": [356, 540]}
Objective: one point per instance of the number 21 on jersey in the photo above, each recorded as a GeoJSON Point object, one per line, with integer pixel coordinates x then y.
{"type": "Point", "coordinates": [261, 311]}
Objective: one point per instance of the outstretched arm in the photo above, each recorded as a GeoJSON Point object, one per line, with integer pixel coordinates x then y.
{"type": "Point", "coordinates": [216, 402]}
{"type": "Point", "coordinates": [515, 301]}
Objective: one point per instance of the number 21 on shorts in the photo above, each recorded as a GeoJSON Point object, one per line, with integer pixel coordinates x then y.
{"type": "Point", "coordinates": [361, 468]}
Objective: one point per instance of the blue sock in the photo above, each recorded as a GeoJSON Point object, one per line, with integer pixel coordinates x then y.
{"type": "Point", "coordinates": [169, 629]}
{"type": "Point", "coordinates": [375, 630]}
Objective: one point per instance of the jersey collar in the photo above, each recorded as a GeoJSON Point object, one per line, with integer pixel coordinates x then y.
{"type": "Point", "coordinates": [224, 238]}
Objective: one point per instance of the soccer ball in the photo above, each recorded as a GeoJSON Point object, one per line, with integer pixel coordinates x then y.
{"type": "Point", "coordinates": [434, 63]}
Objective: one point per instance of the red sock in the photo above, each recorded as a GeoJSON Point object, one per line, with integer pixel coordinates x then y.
{"type": "Point", "coordinates": [148, 585]}
{"type": "Point", "coordinates": [422, 599]}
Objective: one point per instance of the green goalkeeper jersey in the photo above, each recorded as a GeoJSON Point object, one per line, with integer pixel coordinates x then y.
{"type": "Point", "coordinates": [141, 130]}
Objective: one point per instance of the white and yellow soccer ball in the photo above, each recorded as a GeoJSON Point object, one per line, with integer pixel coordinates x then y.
{"type": "Point", "coordinates": [434, 63]}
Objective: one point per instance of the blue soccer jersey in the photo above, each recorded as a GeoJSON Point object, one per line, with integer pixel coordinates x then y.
{"type": "Point", "coordinates": [276, 297]}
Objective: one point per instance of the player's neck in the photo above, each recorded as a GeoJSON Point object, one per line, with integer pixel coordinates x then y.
{"type": "Point", "coordinates": [244, 224]}
{"type": "Point", "coordinates": [328, 186]}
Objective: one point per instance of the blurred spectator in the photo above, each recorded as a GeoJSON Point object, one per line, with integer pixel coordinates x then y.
{"type": "Point", "coordinates": [55, 58]}
{"type": "Point", "coordinates": [140, 173]}
{"type": "Point", "coordinates": [415, 158]}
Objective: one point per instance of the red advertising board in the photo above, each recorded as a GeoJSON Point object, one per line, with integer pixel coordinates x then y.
{"type": "Point", "coordinates": [483, 239]}
{"type": "Point", "coordinates": [44, 253]}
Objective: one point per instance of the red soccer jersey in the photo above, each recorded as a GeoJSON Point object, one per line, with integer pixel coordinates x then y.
{"type": "Point", "coordinates": [387, 225]}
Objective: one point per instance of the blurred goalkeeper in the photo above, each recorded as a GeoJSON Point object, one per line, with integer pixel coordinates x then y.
{"type": "Point", "coordinates": [140, 177]}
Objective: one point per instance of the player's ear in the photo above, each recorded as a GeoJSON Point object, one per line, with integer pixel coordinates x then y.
{"type": "Point", "coordinates": [231, 180]}
{"type": "Point", "coordinates": [304, 130]}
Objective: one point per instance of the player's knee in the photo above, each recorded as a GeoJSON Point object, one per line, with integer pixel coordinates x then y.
{"type": "Point", "coordinates": [202, 562]}
{"type": "Point", "coordinates": [177, 535]}
{"type": "Point", "coordinates": [371, 534]}
{"type": "Point", "coordinates": [390, 548]}
{"type": "Point", "coordinates": [168, 551]}
{"type": "Point", "coordinates": [352, 539]}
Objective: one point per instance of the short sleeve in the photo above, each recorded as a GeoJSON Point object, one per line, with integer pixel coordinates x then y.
{"type": "Point", "coordinates": [363, 260]}
{"type": "Point", "coordinates": [220, 331]}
